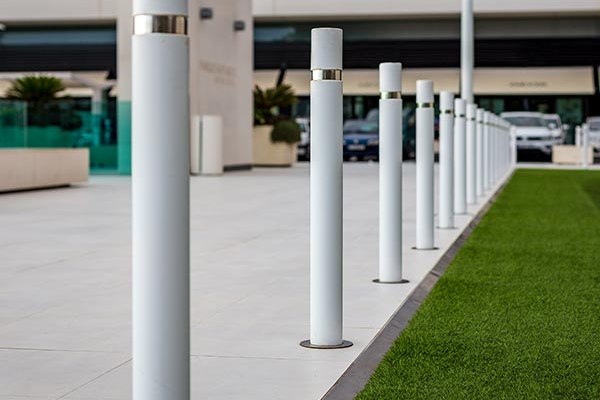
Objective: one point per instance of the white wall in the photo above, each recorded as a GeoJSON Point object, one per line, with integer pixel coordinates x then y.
{"type": "Point", "coordinates": [332, 9]}
{"type": "Point", "coordinates": [221, 73]}
{"type": "Point", "coordinates": [57, 10]}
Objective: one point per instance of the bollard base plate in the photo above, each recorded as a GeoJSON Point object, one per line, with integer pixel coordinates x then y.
{"type": "Point", "coordinates": [427, 249]}
{"type": "Point", "coordinates": [309, 345]}
{"type": "Point", "coordinates": [390, 283]}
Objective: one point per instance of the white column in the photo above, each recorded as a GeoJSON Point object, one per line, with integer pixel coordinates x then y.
{"type": "Point", "coordinates": [578, 136]}
{"type": "Point", "coordinates": [390, 174]}
{"type": "Point", "coordinates": [446, 204]}
{"type": "Point", "coordinates": [585, 144]}
{"type": "Point", "coordinates": [460, 158]}
{"type": "Point", "coordinates": [160, 181]}
{"type": "Point", "coordinates": [326, 190]}
{"type": "Point", "coordinates": [471, 154]}
{"type": "Point", "coordinates": [479, 151]}
{"type": "Point", "coordinates": [467, 51]}
{"type": "Point", "coordinates": [424, 161]}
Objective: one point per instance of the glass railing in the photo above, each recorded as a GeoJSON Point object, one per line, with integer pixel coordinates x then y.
{"type": "Point", "coordinates": [64, 123]}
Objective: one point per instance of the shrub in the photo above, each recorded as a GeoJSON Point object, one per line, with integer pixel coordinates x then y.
{"type": "Point", "coordinates": [286, 131]}
{"type": "Point", "coordinates": [268, 102]}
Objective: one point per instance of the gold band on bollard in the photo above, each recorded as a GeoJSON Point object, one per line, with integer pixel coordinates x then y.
{"type": "Point", "coordinates": [391, 95]}
{"type": "Point", "coordinates": [144, 24]}
{"type": "Point", "coordinates": [460, 115]}
{"type": "Point", "coordinates": [424, 105]}
{"type": "Point", "coordinates": [446, 112]}
{"type": "Point", "coordinates": [326, 75]}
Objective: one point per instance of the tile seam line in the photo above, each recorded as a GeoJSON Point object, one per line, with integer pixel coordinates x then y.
{"type": "Point", "coordinates": [94, 379]}
{"type": "Point", "coordinates": [356, 376]}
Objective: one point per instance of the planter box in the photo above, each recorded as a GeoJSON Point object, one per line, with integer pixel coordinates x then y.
{"type": "Point", "coordinates": [570, 155]}
{"type": "Point", "coordinates": [269, 154]}
{"type": "Point", "coordinates": [24, 169]}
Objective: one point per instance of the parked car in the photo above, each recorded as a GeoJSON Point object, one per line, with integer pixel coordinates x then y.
{"type": "Point", "coordinates": [533, 134]}
{"type": "Point", "coordinates": [361, 140]}
{"type": "Point", "coordinates": [594, 132]}
{"type": "Point", "coordinates": [556, 126]}
{"type": "Point", "coordinates": [408, 134]}
{"type": "Point", "coordinates": [304, 144]}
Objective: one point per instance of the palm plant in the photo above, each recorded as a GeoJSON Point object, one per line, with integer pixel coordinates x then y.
{"type": "Point", "coordinates": [268, 103]}
{"type": "Point", "coordinates": [36, 90]}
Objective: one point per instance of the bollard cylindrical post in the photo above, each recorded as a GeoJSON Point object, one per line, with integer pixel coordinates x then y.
{"type": "Point", "coordinates": [467, 51]}
{"type": "Point", "coordinates": [424, 161]}
{"type": "Point", "coordinates": [446, 204]}
{"type": "Point", "coordinates": [479, 156]}
{"type": "Point", "coordinates": [390, 174]}
{"type": "Point", "coordinates": [486, 151]}
{"type": "Point", "coordinates": [460, 158]}
{"type": "Point", "coordinates": [326, 120]}
{"type": "Point", "coordinates": [160, 201]}
{"type": "Point", "coordinates": [578, 136]}
{"type": "Point", "coordinates": [471, 153]}
{"type": "Point", "coordinates": [585, 144]}
{"type": "Point", "coordinates": [513, 145]}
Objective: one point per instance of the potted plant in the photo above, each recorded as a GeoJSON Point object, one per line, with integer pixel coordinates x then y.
{"type": "Point", "coordinates": [275, 135]}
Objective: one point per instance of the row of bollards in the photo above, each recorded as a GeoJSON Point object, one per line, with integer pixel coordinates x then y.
{"type": "Point", "coordinates": [476, 149]}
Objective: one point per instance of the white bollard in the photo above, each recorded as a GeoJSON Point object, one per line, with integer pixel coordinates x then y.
{"type": "Point", "coordinates": [467, 51]}
{"type": "Point", "coordinates": [446, 204]}
{"type": "Point", "coordinates": [424, 139]}
{"type": "Point", "coordinates": [390, 174]}
{"type": "Point", "coordinates": [486, 152]}
{"type": "Point", "coordinates": [578, 136]}
{"type": "Point", "coordinates": [585, 144]}
{"type": "Point", "coordinates": [460, 158]}
{"type": "Point", "coordinates": [513, 145]}
{"type": "Point", "coordinates": [160, 200]}
{"type": "Point", "coordinates": [326, 293]}
{"type": "Point", "coordinates": [471, 154]}
{"type": "Point", "coordinates": [479, 150]}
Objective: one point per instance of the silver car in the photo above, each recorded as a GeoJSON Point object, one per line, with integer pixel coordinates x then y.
{"type": "Point", "coordinates": [532, 132]}
{"type": "Point", "coordinates": [593, 124]}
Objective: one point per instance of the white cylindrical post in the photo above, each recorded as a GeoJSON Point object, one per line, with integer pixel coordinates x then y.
{"type": "Point", "coordinates": [471, 154]}
{"type": "Point", "coordinates": [446, 204]}
{"type": "Point", "coordinates": [160, 200]}
{"type": "Point", "coordinates": [585, 144]}
{"type": "Point", "coordinates": [424, 133]}
{"type": "Point", "coordinates": [513, 145]}
{"type": "Point", "coordinates": [460, 158]}
{"type": "Point", "coordinates": [467, 51]}
{"type": "Point", "coordinates": [390, 174]}
{"type": "Point", "coordinates": [486, 152]}
{"type": "Point", "coordinates": [578, 136]}
{"type": "Point", "coordinates": [479, 151]}
{"type": "Point", "coordinates": [446, 207]}
{"type": "Point", "coordinates": [326, 190]}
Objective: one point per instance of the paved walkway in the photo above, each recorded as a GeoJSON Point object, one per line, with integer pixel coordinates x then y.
{"type": "Point", "coordinates": [65, 310]}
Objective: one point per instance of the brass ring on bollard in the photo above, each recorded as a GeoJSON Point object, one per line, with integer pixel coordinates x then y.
{"type": "Point", "coordinates": [326, 75]}
{"type": "Point", "coordinates": [144, 24]}
{"type": "Point", "coordinates": [391, 95]}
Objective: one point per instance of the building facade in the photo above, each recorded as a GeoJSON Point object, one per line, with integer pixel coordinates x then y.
{"type": "Point", "coordinates": [538, 55]}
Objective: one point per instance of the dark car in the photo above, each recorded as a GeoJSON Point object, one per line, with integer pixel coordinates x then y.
{"type": "Point", "coordinates": [408, 134]}
{"type": "Point", "coordinates": [361, 140]}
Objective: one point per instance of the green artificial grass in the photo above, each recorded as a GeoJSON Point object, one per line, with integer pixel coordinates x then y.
{"type": "Point", "coordinates": [517, 314]}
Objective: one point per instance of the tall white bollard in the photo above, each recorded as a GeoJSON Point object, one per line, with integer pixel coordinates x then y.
{"type": "Point", "coordinates": [578, 136]}
{"type": "Point", "coordinates": [390, 174]}
{"type": "Point", "coordinates": [446, 204]}
{"type": "Point", "coordinates": [460, 158]}
{"type": "Point", "coordinates": [467, 51]}
{"type": "Point", "coordinates": [471, 154]}
{"type": "Point", "coordinates": [425, 224]}
{"type": "Point", "coordinates": [486, 151]}
{"type": "Point", "coordinates": [160, 200]}
{"type": "Point", "coordinates": [479, 151]}
{"type": "Point", "coordinates": [585, 143]}
{"type": "Point", "coordinates": [326, 190]}
{"type": "Point", "coordinates": [513, 145]}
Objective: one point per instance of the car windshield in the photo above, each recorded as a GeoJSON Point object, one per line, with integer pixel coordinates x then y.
{"type": "Point", "coordinates": [595, 125]}
{"type": "Point", "coordinates": [360, 127]}
{"type": "Point", "coordinates": [552, 121]}
{"type": "Point", "coordinates": [526, 121]}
